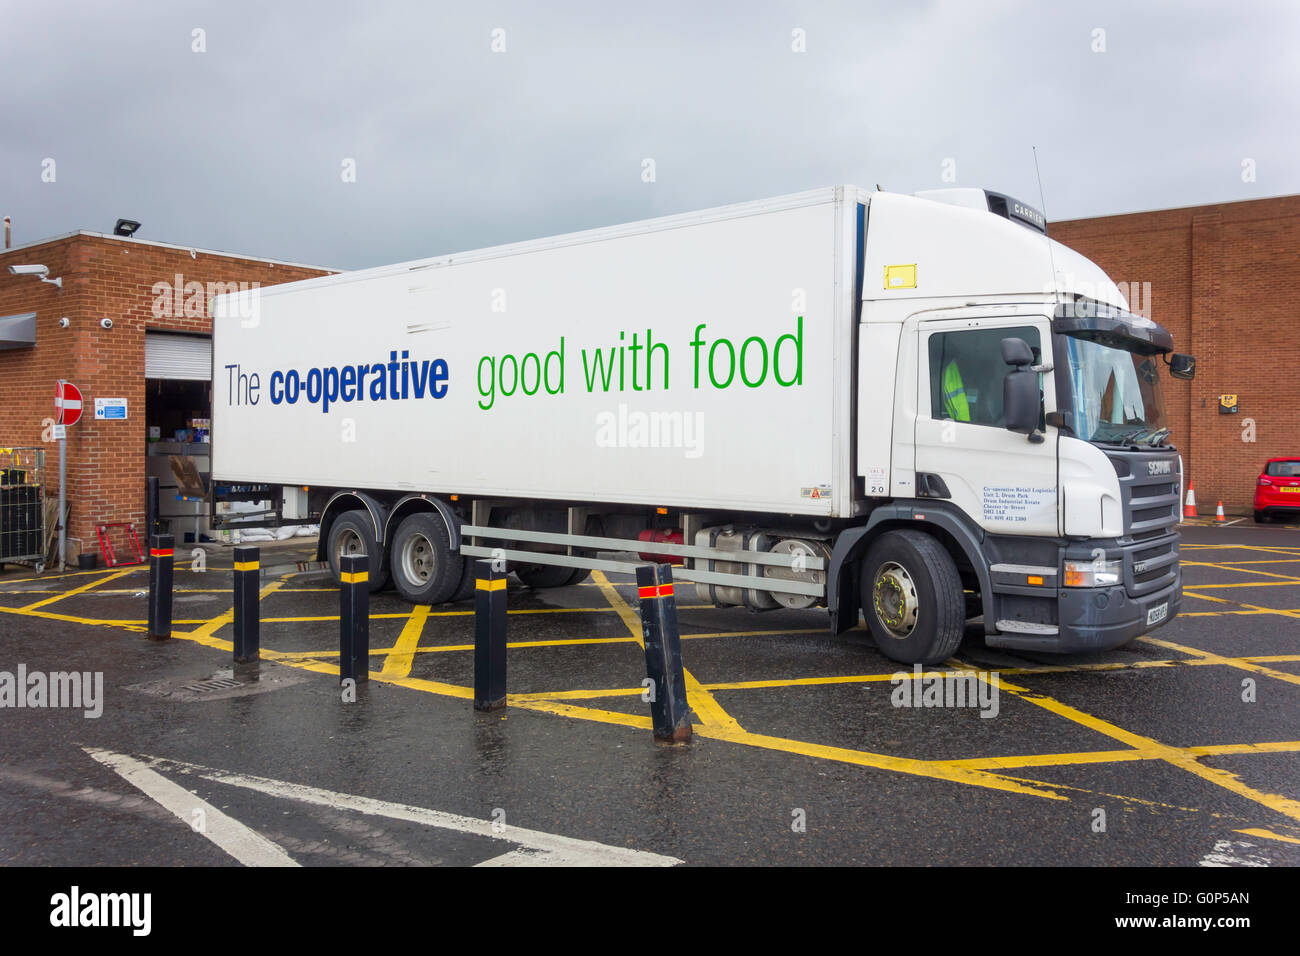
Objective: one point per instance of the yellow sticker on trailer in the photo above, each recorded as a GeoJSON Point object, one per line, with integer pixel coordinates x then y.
{"type": "Point", "coordinates": [901, 276]}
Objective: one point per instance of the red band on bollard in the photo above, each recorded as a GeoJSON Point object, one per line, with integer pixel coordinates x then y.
{"type": "Point", "coordinates": [655, 591]}
{"type": "Point", "coordinates": [158, 553]}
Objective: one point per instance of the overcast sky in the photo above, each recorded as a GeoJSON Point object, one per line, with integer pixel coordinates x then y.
{"type": "Point", "coordinates": [242, 147]}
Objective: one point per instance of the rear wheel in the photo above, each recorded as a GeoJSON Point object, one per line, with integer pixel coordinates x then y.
{"type": "Point", "coordinates": [539, 576]}
{"type": "Point", "coordinates": [425, 569]}
{"type": "Point", "coordinates": [353, 533]}
{"type": "Point", "coordinates": [468, 581]}
{"type": "Point", "coordinates": [912, 598]}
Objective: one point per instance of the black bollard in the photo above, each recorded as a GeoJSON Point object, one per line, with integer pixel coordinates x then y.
{"type": "Point", "coordinates": [354, 618]}
{"type": "Point", "coordinates": [663, 652]}
{"type": "Point", "coordinates": [489, 637]}
{"type": "Point", "coordinates": [247, 616]}
{"type": "Point", "coordinates": [160, 586]}
{"type": "Point", "coordinates": [150, 507]}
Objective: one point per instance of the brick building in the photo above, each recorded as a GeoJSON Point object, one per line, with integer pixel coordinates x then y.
{"type": "Point", "coordinates": [1225, 280]}
{"type": "Point", "coordinates": [156, 356]}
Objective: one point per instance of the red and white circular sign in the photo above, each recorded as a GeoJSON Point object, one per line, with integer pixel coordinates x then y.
{"type": "Point", "coordinates": [67, 402]}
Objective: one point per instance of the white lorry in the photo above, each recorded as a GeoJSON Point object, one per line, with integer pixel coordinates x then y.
{"type": "Point", "coordinates": [917, 406]}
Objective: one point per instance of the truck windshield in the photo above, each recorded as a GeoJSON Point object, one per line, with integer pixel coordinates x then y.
{"type": "Point", "coordinates": [1116, 394]}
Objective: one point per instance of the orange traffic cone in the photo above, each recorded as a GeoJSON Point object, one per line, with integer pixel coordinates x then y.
{"type": "Point", "coordinates": [1218, 514]}
{"type": "Point", "coordinates": [1189, 511]}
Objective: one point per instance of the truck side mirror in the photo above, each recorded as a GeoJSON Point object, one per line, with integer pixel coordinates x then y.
{"type": "Point", "coordinates": [1020, 402]}
{"type": "Point", "coordinates": [1182, 366]}
{"type": "Point", "coordinates": [1017, 352]}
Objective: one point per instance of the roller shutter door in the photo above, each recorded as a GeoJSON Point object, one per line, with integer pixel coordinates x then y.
{"type": "Point", "coordinates": [188, 357]}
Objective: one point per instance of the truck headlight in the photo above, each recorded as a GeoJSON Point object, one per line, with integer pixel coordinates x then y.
{"type": "Point", "coordinates": [1091, 574]}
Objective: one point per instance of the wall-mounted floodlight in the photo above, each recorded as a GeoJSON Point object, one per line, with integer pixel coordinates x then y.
{"type": "Point", "coordinates": [126, 227]}
{"type": "Point", "coordinates": [41, 272]}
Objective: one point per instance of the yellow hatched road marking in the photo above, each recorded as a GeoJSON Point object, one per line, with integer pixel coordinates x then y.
{"type": "Point", "coordinates": [81, 590]}
{"type": "Point", "coordinates": [1176, 756]}
{"type": "Point", "coordinates": [1290, 583]}
{"type": "Point", "coordinates": [1234, 565]}
{"type": "Point", "coordinates": [1252, 607]}
{"type": "Point", "coordinates": [1116, 756]}
{"type": "Point", "coordinates": [1269, 835]}
{"type": "Point", "coordinates": [399, 660]}
{"type": "Point", "coordinates": [1211, 658]}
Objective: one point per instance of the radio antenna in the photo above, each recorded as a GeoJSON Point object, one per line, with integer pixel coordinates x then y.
{"type": "Point", "coordinates": [1042, 201]}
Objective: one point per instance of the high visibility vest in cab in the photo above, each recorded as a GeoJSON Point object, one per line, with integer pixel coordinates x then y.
{"type": "Point", "coordinates": [955, 405]}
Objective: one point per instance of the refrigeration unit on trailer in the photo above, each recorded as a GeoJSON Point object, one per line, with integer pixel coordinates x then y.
{"type": "Point", "coordinates": [920, 407]}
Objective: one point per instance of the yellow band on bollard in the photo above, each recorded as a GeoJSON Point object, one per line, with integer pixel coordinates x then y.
{"type": "Point", "coordinates": [483, 584]}
{"type": "Point", "coordinates": [246, 565]}
{"type": "Point", "coordinates": [360, 577]}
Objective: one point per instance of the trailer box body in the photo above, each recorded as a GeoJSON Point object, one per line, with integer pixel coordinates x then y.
{"type": "Point", "coordinates": [698, 362]}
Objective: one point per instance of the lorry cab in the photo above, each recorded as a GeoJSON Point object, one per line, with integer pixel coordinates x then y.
{"type": "Point", "coordinates": [1029, 434]}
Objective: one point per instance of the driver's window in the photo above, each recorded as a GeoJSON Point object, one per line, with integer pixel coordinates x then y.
{"type": "Point", "coordinates": [966, 372]}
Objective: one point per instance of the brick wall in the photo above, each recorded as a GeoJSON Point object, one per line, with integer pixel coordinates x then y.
{"type": "Point", "coordinates": [113, 278]}
{"type": "Point", "coordinates": [1225, 280]}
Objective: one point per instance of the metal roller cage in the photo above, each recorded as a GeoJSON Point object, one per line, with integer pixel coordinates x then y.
{"type": "Point", "coordinates": [22, 506]}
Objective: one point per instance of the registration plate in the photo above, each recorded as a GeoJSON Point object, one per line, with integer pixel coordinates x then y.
{"type": "Point", "coordinates": [1291, 489]}
{"type": "Point", "coordinates": [1157, 614]}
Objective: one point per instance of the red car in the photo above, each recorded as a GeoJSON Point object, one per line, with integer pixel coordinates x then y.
{"type": "Point", "coordinates": [1278, 488]}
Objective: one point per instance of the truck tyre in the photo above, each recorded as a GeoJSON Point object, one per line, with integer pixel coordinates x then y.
{"type": "Point", "coordinates": [912, 598]}
{"type": "Point", "coordinates": [425, 569]}
{"type": "Point", "coordinates": [578, 576]}
{"type": "Point", "coordinates": [468, 581]}
{"type": "Point", "coordinates": [538, 576]}
{"type": "Point", "coordinates": [353, 533]}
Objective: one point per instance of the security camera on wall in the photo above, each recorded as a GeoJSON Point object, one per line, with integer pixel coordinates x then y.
{"type": "Point", "coordinates": [40, 271]}
{"type": "Point", "coordinates": [106, 323]}
{"type": "Point", "coordinates": [64, 322]}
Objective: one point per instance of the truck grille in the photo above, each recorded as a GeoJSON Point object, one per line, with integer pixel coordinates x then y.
{"type": "Point", "coordinates": [1151, 515]}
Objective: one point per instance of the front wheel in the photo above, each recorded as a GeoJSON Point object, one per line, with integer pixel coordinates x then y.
{"type": "Point", "coordinates": [912, 598]}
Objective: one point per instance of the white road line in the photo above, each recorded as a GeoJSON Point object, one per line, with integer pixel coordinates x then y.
{"type": "Point", "coordinates": [1232, 853]}
{"type": "Point", "coordinates": [523, 857]}
{"type": "Point", "coordinates": [245, 845]}
{"type": "Point", "coordinates": [548, 848]}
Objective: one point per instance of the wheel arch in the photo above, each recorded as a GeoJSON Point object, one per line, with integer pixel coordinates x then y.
{"type": "Point", "coordinates": [415, 504]}
{"type": "Point", "coordinates": [342, 501]}
{"type": "Point", "coordinates": [946, 525]}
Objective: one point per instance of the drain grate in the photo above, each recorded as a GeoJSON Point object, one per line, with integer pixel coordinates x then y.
{"type": "Point", "coordinates": [222, 684]}
{"type": "Point", "coordinates": [213, 684]}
